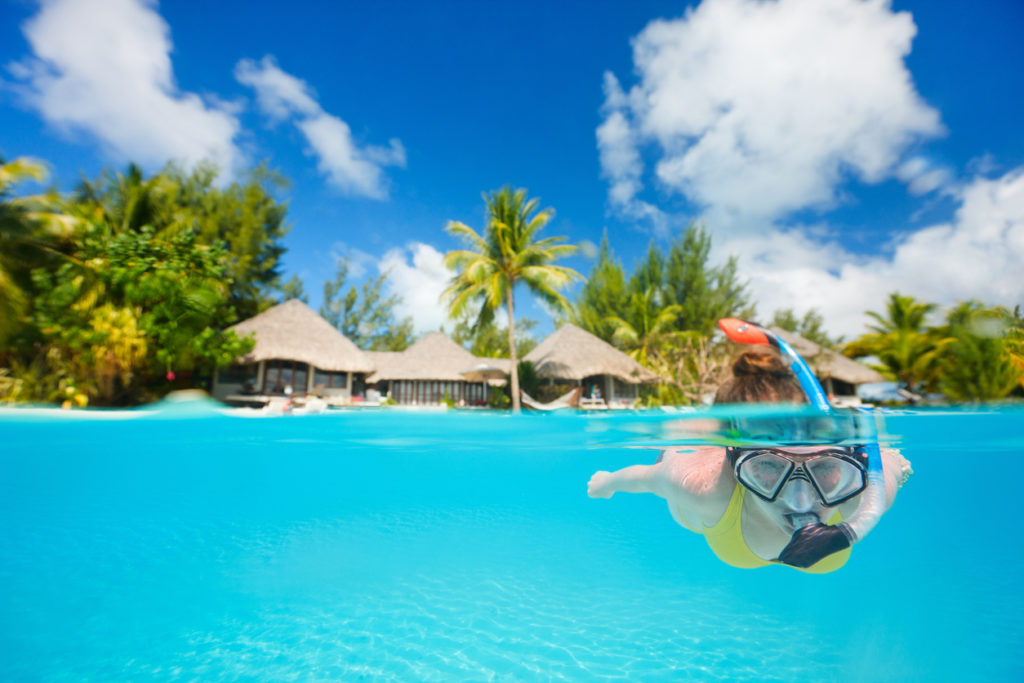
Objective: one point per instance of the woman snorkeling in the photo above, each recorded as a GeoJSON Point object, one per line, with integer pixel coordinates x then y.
{"type": "Point", "coordinates": [802, 504]}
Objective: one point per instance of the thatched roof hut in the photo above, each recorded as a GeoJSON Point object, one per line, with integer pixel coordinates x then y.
{"type": "Point", "coordinates": [293, 331]}
{"type": "Point", "coordinates": [435, 357]}
{"type": "Point", "coordinates": [826, 363]}
{"type": "Point", "coordinates": [573, 354]}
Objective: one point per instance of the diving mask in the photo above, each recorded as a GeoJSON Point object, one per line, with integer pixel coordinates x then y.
{"type": "Point", "coordinates": [837, 474]}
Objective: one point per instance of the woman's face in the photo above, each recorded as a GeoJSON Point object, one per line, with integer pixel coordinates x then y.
{"type": "Point", "coordinates": [797, 504]}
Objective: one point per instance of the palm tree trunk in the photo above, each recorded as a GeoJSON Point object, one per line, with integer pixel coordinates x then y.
{"type": "Point", "coordinates": [514, 374]}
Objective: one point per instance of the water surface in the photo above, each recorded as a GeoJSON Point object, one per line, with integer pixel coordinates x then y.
{"type": "Point", "coordinates": [427, 546]}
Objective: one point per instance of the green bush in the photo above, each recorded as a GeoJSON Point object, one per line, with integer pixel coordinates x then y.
{"type": "Point", "coordinates": [499, 398]}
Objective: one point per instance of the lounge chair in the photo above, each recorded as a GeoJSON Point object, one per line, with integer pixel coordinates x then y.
{"type": "Point", "coordinates": [278, 405]}
{"type": "Point", "coordinates": [593, 404]}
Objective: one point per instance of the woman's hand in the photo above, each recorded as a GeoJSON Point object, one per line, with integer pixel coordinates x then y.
{"type": "Point", "coordinates": [600, 485]}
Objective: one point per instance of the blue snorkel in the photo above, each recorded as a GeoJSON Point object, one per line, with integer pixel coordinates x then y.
{"type": "Point", "coordinates": [814, 541]}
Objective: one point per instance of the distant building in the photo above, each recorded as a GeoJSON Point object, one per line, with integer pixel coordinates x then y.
{"type": "Point", "coordinates": [296, 352]}
{"type": "Point", "coordinates": [575, 357]}
{"type": "Point", "coordinates": [299, 353]}
{"type": "Point", "coordinates": [430, 371]}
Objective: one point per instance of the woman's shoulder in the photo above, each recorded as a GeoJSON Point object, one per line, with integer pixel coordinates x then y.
{"type": "Point", "coordinates": [696, 469]}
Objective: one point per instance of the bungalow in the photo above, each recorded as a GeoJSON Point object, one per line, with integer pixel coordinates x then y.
{"type": "Point", "coordinates": [296, 352]}
{"type": "Point", "coordinates": [576, 357]}
{"type": "Point", "coordinates": [430, 371]}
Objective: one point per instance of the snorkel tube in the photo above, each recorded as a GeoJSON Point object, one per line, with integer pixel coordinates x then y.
{"type": "Point", "coordinates": [812, 542]}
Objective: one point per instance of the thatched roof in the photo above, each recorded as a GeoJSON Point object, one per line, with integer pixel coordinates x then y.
{"type": "Point", "coordinates": [826, 362]}
{"type": "Point", "coordinates": [435, 357]}
{"type": "Point", "coordinates": [573, 354]}
{"type": "Point", "coordinates": [293, 331]}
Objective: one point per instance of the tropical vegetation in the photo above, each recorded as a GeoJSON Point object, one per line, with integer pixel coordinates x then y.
{"type": "Point", "coordinates": [490, 340]}
{"type": "Point", "coordinates": [811, 326]}
{"type": "Point", "coordinates": [365, 314]}
{"type": "Point", "coordinates": [663, 315]}
{"type": "Point", "coordinates": [122, 290]}
{"type": "Point", "coordinates": [906, 349]}
{"type": "Point", "coordinates": [974, 355]}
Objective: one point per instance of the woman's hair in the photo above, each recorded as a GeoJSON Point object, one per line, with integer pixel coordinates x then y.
{"type": "Point", "coordinates": [760, 377]}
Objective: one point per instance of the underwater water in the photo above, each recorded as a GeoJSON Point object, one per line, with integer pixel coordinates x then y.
{"type": "Point", "coordinates": [389, 545]}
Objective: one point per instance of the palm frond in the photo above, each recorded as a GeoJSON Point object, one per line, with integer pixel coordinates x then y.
{"type": "Point", "coordinates": [20, 170]}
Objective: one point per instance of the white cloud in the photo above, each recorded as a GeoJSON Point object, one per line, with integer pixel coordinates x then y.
{"type": "Point", "coordinates": [977, 255]}
{"type": "Point", "coordinates": [754, 109]}
{"type": "Point", "coordinates": [279, 94]}
{"type": "Point", "coordinates": [354, 169]}
{"type": "Point", "coordinates": [620, 158]}
{"type": "Point", "coordinates": [923, 177]}
{"type": "Point", "coordinates": [104, 67]}
{"type": "Point", "coordinates": [419, 283]}
{"type": "Point", "coordinates": [757, 108]}
{"type": "Point", "coordinates": [359, 261]}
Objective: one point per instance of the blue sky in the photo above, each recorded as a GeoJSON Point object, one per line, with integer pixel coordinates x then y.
{"type": "Point", "coordinates": [841, 149]}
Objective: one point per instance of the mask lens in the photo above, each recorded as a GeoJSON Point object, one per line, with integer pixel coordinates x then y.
{"type": "Point", "coordinates": [764, 473]}
{"type": "Point", "coordinates": [837, 479]}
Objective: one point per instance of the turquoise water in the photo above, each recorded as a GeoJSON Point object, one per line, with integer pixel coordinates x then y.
{"type": "Point", "coordinates": [462, 546]}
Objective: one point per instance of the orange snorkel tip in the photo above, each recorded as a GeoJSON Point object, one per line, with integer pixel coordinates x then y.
{"type": "Point", "coordinates": [743, 332]}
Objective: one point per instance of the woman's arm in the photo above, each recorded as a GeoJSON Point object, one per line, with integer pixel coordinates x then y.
{"type": "Point", "coordinates": [634, 479]}
{"type": "Point", "coordinates": [692, 473]}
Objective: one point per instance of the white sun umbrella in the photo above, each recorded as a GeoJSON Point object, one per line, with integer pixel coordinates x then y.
{"type": "Point", "coordinates": [484, 373]}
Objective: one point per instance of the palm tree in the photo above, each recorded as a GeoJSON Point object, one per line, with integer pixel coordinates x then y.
{"type": "Point", "coordinates": [508, 253]}
{"type": "Point", "coordinates": [29, 230]}
{"type": "Point", "coordinates": [907, 350]}
{"type": "Point", "coordinates": [129, 202]}
{"type": "Point", "coordinates": [978, 363]}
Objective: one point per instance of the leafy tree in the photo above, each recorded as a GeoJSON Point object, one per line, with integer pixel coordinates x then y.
{"type": "Point", "coordinates": [666, 310]}
{"type": "Point", "coordinates": [129, 202]}
{"type": "Point", "coordinates": [364, 314]}
{"type": "Point", "coordinates": [294, 289]}
{"type": "Point", "coordinates": [129, 282]}
{"type": "Point", "coordinates": [692, 365]}
{"type": "Point", "coordinates": [508, 253]}
{"type": "Point", "coordinates": [398, 337]}
{"type": "Point", "coordinates": [703, 292]}
{"type": "Point", "coordinates": [488, 340]}
{"type": "Point", "coordinates": [809, 327]}
{"type": "Point", "coordinates": [126, 313]}
{"type": "Point", "coordinates": [244, 217]}
{"type": "Point", "coordinates": [528, 379]}
{"type": "Point", "coordinates": [251, 224]}
{"type": "Point", "coordinates": [651, 274]}
{"type": "Point", "coordinates": [32, 233]}
{"type": "Point", "coordinates": [682, 278]}
{"type": "Point", "coordinates": [907, 350]}
{"type": "Point", "coordinates": [1014, 341]}
{"type": "Point", "coordinates": [976, 365]}
{"type": "Point", "coordinates": [603, 296]}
